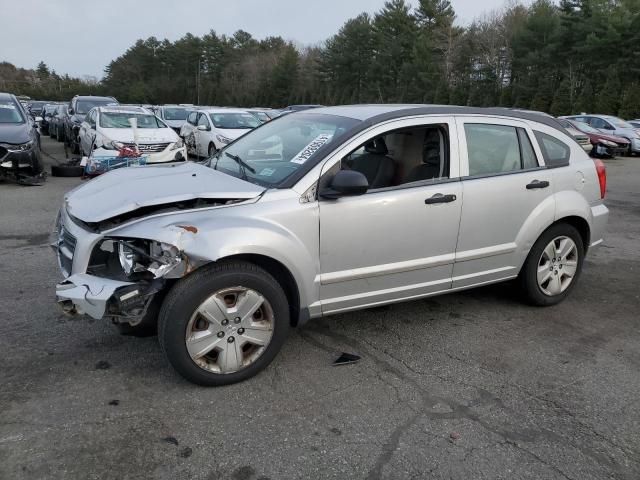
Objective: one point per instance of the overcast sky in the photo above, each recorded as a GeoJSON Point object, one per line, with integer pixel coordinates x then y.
{"type": "Point", "coordinates": [80, 37]}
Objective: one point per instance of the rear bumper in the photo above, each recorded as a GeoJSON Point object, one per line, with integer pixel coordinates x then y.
{"type": "Point", "coordinates": [600, 217]}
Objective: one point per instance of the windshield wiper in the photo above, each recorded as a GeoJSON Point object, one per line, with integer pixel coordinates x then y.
{"type": "Point", "coordinates": [242, 164]}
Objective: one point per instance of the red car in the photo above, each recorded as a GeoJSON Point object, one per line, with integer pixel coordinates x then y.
{"type": "Point", "coordinates": [603, 145]}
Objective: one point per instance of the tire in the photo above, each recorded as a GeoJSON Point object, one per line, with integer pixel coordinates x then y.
{"type": "Point", "coordinates": [148, 325]}
{"type": "Point", "coordinates": [67, 171]}
{"type": "Point", "coordinates": [212, 150]}
{"type": "Point", "coordinates": [559, 284]}
{"type": "Point", "coordinates": [179, 317]}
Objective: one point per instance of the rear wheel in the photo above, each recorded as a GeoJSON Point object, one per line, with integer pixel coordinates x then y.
{"type": "Point", "coordinates": [553, 265]}
{"type": "Point", "coordinates": [224, 323]}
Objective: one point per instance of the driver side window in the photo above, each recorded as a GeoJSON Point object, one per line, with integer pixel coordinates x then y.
{"type": "Point", "coordinates": [403, 157]}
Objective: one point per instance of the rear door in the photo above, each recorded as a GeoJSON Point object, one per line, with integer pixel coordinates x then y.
{"type": "Point", "coordinates": [508, 195]}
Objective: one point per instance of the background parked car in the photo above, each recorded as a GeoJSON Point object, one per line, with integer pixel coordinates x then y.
{"type": "Point", "coordinates": [173, 115]}
{"type": "Point", "coordinates": [108, 128]}
{"type": "Point", "coordinates": [611, 125]}
{"type": "Point", "coordinates": [19, 141]}
{"type": "Point", "coordinates": [47, 114]}
{"type": "Point", "coordinates": [35, 108]}
{"type": "Point", "coordinates": [635, 123]}
{"type": "Point", "coordinates": [264, 114]}
{"type": "Point", "coordinates": [78, 109]}
{"type": "Point", "coordinates": [56, 125]}
{"type": "Point", "coordinates": [603, 145]}
{"type": "Point", "coordinates": [209, 130]}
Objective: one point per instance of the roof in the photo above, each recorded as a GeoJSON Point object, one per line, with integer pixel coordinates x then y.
{"type": "Point", "coordinates": [222, 110]}
{"type": "Point", "coordinates": [123, 108]}
{"type": "Point", "coordinates": [379, 112]}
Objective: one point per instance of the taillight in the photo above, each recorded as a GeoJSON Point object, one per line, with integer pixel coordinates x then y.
{"type": "Point", "coordinates": [601, 170]}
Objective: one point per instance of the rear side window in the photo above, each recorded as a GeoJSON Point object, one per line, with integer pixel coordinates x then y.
{"type": "Point", "coordinates": [555, 152]}
{"type": "Point", "coordinates": [495, 149]}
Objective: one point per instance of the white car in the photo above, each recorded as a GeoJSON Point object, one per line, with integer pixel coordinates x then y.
{"type": "Point", "coordinates": [174, 115]}
{"type": "Point", "coordinates": [208, 130]}
{"type": "Point", "coordinates": [109, 128]}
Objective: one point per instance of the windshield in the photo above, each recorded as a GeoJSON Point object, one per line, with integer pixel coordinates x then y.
{"type": "Point", "coordinates": [175, 113]}
{"type": "Point", "coordinates": [234, 120]}
{"type": "Point", "coordinates": [37, 105]}
{"type": "Point", "coordinates": [263, 117]}
{"type": "Point", "coordinates": [10, 112]}
{"type": "Point", "coordinates": [279, 148]}
{"type": "Point", "coordinates": [583, 127]}
{"type": "Point", "coordinates": [618, 122]}
{"type": "Point", "coordinates": [121, 120]}
{"type": "Point", "coordinates": [83, 106]}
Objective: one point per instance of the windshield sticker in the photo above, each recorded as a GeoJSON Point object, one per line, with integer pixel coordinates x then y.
{"type": "Point", "coordinates": [312, 148]}
{"type": "Point", "coordinates": [267, 172]}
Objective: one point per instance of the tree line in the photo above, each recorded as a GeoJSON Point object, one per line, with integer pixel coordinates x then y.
{"type": "Point", "coordinates": [575, 56]}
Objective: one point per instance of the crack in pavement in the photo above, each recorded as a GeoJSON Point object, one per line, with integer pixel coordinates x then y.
{"type": "Point", "coordinates": [458, 411]}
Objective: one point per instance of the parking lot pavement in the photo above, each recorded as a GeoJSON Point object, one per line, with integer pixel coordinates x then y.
{"type": "Point", "coordinates": [469, 385]}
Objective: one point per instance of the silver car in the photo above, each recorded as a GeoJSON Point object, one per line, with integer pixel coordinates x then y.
{"type": "Point", "coordinates": [611, 125]}
{"type": "Point", "coordinates": [327, 211]}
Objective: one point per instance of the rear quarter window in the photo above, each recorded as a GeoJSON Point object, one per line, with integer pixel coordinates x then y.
{"type": "Point", "coordinates": [555, 152]}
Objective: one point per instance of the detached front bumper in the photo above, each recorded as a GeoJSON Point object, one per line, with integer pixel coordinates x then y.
{"type": "Point", "coordinates": [84, 293]}
{"type": "Point", "coordinates": [20, 160]}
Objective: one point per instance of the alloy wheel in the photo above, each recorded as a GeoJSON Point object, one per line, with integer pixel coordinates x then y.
{"type": "Point", "coordinates": [557, 266]}
{"type": "Point", "coordinates": [230, 330]}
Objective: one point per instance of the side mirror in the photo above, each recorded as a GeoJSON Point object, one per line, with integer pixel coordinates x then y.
{"type": "Point", "coordinates": [70, 111]}
{"type": "Point", "coordinates": [346, 183]}
{"type": "Point", "coordinates": [203, 128]}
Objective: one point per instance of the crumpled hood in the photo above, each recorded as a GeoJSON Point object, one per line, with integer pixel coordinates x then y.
{"type": "Point", "coordinates": [127, 189]}
{"type": "Point", "coordinates": [15, 133]}
{"type": "Point", "coordinates": [145, 135]}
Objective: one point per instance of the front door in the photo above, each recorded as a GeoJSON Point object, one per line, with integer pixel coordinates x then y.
{"type": "Point", "coordinates": [397, 241]}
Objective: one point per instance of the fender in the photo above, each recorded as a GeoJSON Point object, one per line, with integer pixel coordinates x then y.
{"type": "Point", "coordinates": [209, 236]}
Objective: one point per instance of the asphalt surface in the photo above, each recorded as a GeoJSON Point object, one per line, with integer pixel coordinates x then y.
{"type": "Point", "coordinates": [472, 385]}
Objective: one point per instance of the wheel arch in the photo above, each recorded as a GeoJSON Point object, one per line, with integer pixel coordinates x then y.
{"type": "Point", "coordinates": [580, 224]}
{"type": "Point", "coordinates": [282, 275]}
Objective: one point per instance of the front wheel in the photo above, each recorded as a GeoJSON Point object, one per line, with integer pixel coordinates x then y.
{"type": "Point", "coordinates": [553, 265]}
{"type": "Point", "coordinates": [224, 323]}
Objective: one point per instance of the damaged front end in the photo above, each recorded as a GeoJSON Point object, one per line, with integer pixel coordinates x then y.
{"type": "Point", "coordinates": [122, 279]}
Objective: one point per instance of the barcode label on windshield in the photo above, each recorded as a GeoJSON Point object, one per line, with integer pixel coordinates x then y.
{"type": "Point", "coordinates": [312, 148]}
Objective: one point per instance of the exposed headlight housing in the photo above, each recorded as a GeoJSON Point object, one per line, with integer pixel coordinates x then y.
{"type": "Point", "coordinates": [223, 139]}
{"type": "Point", "coordinates": [608, 143]}
{"type": "Point", "coordinates": [177, 145]}
{"type": "Point", "coordinates": [22, 147]}
{"type": "Point", "coordinates": [135, 259]}
{"type": "Point", "coordinates": [112, 145]}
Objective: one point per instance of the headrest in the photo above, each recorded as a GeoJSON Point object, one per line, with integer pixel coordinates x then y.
{"type": "Point", "coordinates": [377, 146]}
{"type": "Point", "coordinates": [431, 147]}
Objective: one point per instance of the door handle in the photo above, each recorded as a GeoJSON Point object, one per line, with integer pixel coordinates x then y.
{"type": "Point", "coordinates": [537, 184]}
{"type": "Point", "coordinates": [440, 198]}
